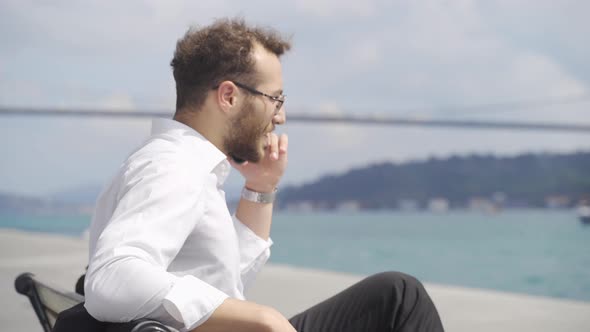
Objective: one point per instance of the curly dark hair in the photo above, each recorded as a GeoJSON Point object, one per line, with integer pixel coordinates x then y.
{"type": "Point", "coordinates": [222, 51]}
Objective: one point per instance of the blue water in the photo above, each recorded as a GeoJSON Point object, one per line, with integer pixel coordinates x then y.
{"type": "Point", "coordinates": [530, 251]}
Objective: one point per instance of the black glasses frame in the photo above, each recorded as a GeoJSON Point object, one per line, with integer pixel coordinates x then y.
{"type": "Point", "coordinates": [280, 100]}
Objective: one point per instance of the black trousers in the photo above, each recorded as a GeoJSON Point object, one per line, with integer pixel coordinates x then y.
{"type": "Point", "coordinates": [388, 301]}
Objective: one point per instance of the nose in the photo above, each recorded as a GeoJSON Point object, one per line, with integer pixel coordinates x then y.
{"type": "Point", "coordinates": [280, 117]}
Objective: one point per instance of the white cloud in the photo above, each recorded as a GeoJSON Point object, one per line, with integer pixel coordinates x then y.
{"type": "Point", "coordinates": [110, 28]}
{"type": "Point", "coordinates": [451, 56]}
{"type": "Point", "coordinates": [112, 133]}
{"type": "Point", "coordinates": [343, 135]}
{"type": "Point", "coordinates": [119, 101]}
{"type": "Point", "coordinates": [366, 54]}
{"type": "Point", "coordinates": [539, 76]}
{"type": "Point", "coordinates": [330, 108]}
{"type": "Point", "coordinates": [337, 8]}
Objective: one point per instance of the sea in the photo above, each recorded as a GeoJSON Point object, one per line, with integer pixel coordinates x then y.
{"type": "Point", "coordinates": [537, 252]}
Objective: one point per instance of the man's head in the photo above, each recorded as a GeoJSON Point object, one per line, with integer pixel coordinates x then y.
{"type": "Point", "coordinates": [222, 51]}
{"type": "Point", "coordinates": [233, 69]}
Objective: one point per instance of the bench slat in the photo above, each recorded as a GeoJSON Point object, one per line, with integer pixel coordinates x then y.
{"type": "Point", "coordinates": [56, 300]}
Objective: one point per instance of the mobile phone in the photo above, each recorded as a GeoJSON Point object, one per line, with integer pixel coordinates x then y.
{"type": "Point", "coordinates": [237, 160]}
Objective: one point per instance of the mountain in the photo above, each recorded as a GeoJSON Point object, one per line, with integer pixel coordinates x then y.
{"type": "Point", "coordinates": [78, 200]}
{"type": "Point", "coordinates": [488, 182]}
{"type": "Point", "coordinates": [18, 204]}
{"type": "Point", "coordinates": [86, 194]}
{"type": "Point", "coordinates": [529, 180]}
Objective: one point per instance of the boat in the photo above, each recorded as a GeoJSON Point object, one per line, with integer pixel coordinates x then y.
{"type": "Point", "coordinates": [584, 214]}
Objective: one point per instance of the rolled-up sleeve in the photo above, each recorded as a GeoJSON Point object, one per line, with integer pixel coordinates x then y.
{"type": "Point", "coordinates": [127, 276]}
{"type": "Point", "coordinates": [254, 252]}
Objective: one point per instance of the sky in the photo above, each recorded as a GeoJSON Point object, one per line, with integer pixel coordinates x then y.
{"type": "Point", "coordinates": [423, 59]}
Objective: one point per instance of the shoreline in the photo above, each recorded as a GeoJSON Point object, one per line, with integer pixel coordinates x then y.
{"type": "Point", "coordinates": [61, 259]}
{"type": "Point", "coordinates": [83, 236]}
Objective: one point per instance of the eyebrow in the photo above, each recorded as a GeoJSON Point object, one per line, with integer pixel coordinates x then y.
{"type": "Point", "coordinates": [278, 92]}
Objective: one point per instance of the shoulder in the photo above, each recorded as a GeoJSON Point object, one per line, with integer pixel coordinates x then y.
{"type": "Point", "coordinates": [170, 161]}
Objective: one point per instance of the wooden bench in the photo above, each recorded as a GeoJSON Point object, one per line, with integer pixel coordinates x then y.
{"type": "Point", "coordinates": [49, 301]}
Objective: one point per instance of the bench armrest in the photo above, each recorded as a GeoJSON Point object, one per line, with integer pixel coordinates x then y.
{"type": "Point", "coordinates": [49, 302]}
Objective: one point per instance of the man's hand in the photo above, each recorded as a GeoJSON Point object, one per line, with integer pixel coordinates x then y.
{"type": "Point", "coordinates": [265, 175]}
{"type": "Point", "coordinates": [243, 316]}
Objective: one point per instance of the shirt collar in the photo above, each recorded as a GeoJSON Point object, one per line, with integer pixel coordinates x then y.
{"type": "Point", "coordinates": [217, 160]}
{"type": "Point", "coordinates": [222, 171]}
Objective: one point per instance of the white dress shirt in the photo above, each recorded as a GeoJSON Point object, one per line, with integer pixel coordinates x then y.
{"type": "Point", "coordinates": [163, 244]}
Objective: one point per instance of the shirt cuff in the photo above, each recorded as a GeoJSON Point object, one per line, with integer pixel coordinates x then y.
{"type": "Point", "coordinates": [254, 250]}
{"type": "Point", "coordinates": [192, 301]}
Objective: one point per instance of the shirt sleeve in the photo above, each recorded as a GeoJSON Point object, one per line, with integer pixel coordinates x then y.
{"type": "Point", "coordinates": [254, 252]}
{"type": "Point", "coordinates": [127, 276]}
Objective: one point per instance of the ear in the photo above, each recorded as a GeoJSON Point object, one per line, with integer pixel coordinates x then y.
{"type": "Point", "coordinates": [227, 95]}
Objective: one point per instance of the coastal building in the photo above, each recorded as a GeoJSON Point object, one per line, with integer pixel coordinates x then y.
{"type": "Point", "coordinates": [438, 205]}
{"type": "Point", "coordinates": [348, 206]}
{"type": "Point", "coordinates": [408, 205]}
{"type": "Point", "coordinates": [557, 201]}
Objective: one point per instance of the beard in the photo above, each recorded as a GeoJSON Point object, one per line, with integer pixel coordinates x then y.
{"type": "Point", "coordinates": [244, 139]}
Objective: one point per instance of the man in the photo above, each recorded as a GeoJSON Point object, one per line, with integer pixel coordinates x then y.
{"type": "Point", "coordinates": [162, 242]}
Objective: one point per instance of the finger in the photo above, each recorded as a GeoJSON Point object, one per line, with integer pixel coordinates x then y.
{"type": "Point", "coordinates": [274, 146]}
{"type": "Point", "coordinates": [268, 141]}
{"type": "Point", "coordinates": [283, 143]}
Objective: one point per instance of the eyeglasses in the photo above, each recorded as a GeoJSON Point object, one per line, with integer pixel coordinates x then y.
{"type": "Point", "coordinates": [279, 100]}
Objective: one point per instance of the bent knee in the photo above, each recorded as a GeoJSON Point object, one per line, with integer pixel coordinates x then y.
{"type": "Point", "coordinates": [397, 279]}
